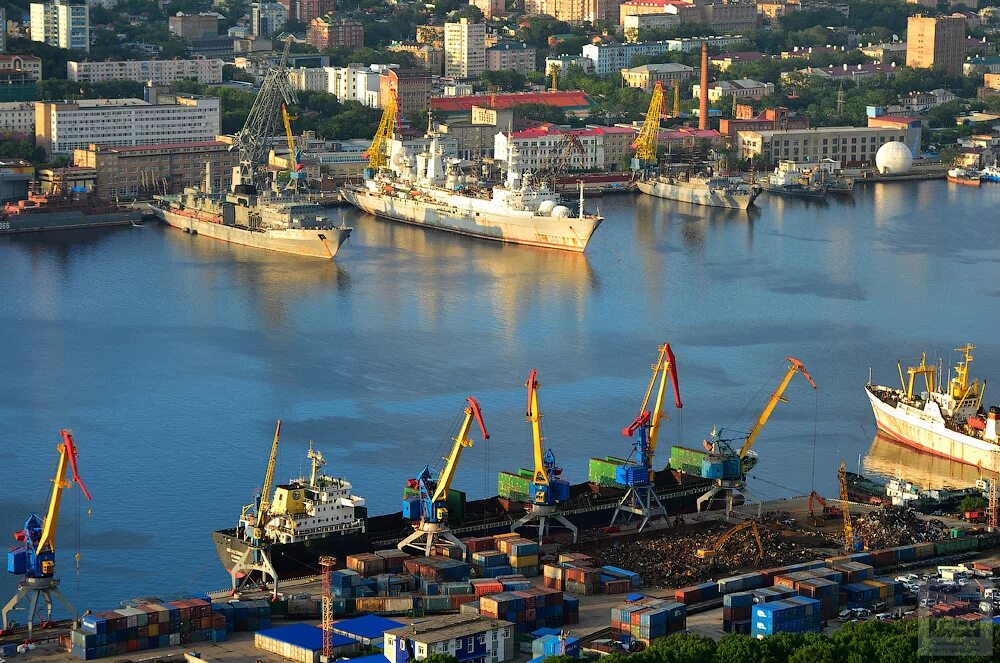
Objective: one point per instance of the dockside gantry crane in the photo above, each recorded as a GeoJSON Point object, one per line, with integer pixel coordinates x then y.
{"type": "Point", "coordinates": [547, 488]}
{"type": "Point", "coordinates": [646, 142]}
{"type": "Point", "coordinates": [729, 468]}
{"type": "Point", "coordinates": [35, 555]}
{"type": "Point", "coordinates": [428, 511]}
{"type": "Point", "coordinates": [638, 475]}
{"type": "Point", "coordinates": [256, 558]}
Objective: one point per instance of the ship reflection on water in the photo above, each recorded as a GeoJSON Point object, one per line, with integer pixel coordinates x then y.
{"type": "Point", "coordinates": [889, 459]}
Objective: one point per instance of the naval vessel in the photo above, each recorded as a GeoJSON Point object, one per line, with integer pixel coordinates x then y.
{"type": "Point", "coordinates": [62, 211]}
{"type": "Point", "coordinates": [708, 189]}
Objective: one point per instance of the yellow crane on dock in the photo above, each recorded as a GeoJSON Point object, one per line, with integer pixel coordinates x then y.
{"type": "Point", "coordinates": [850, 543]}
{"type": "Point", "coordinates": [256, 559]}
{"type": "Point", "coordinates": [646, 142]}
{"type": "Point", "coordinates": [377, 153]}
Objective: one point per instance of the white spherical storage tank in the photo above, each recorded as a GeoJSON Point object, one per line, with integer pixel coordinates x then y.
{"type": "Point", "coordinates": [894, 158]}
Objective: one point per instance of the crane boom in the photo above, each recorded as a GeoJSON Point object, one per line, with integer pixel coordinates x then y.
{"type": "Point", "coordinates": [377, 157]}
{"type": "Point", "coordinates": [67, 457]}
{"type": "Point", "coordinates": [646, 142]}
{"type": "Point", "coordinates": [287, 119]}
{"type": "Point", "coordinates": [794, 366]}
{"type": "Point", "coordinates": [265, 495]}
{"type": "Point", "coordinates": [665, 363]}
{"type": "Point", "coordinates": [462, 440]}
{"type": "Point", "coordinates": [534, 417]}
{"type": "Point", "coordinates": [845, 507]}
{"type": "Point", "coordinates": [728, 534]}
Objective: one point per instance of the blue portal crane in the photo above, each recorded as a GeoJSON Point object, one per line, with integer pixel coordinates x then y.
{"type": "Point", "coordinates": [34, 557]}
{"type": "Point", "coordinates": [638, 475]}
{"type": "Point", "coordinates": [428, 510]}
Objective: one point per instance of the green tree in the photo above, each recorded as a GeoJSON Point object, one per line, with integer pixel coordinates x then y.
{"type": "Point", "coordinates": [738, 648]}
{"type": "Point", "coordinates": [971, 503]}
{"type": "Point", "coordinates": [21, 149]}
{"type": "Point", "coordinates": [684, 648]}
{"type": "Point", "coordinates": [816, 648]}
{"type": "Point", "coordinates": [509, 80]}
{"type": "Point", "coordinates": [540, 113]}
{"type": "Point", "coordinates": [945, 114]}
{"type": "Point", "coordinates": [441, 658]}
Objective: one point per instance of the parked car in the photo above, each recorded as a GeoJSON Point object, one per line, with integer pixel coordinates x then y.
{"type": "Point", "coordinates": [883, 616]}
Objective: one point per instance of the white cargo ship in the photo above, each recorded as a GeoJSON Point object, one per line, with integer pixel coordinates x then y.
{"type": "Point", "coordinates": [945, 422]}
{"type": "Point", "coordinates": [426, 190]}
{"type": "Point", "coordinates": [285, 226]}
{"type": "Point", "coordinates": [708, 190]}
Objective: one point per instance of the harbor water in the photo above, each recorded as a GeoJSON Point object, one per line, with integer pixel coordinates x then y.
{"type": "Point", "coordinates": [170, 356]}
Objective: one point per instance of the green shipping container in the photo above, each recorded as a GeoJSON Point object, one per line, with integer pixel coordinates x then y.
{"type": "Point", "coordinates": [602, 471]}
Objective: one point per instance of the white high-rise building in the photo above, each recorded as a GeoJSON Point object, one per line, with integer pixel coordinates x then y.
{"type": "Point", "coordinates": [3, 30]}
{"type": "Point", "coordinates": [464, 49]}
{"type": "Point", "coordinates": [160, 72]}
{"type": "Point", "coordinates": [61, 23]}
{"type": "Point", "coordinates": [266, 18]}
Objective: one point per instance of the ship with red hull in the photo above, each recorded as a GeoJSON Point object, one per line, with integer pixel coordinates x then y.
{"type": "Point", "coordinates": [944, 420]}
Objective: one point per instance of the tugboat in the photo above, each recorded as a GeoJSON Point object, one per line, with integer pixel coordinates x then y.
{"type": "Point", "coordinates": [990, 173]}
{"type": "Point", "coordinates": [965, 176]}
{"type": "Point", "coordinates": [789, 180]}
{"type": "Point", "coordinates": [948, 421]}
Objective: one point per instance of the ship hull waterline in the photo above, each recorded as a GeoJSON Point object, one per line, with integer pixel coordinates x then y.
{"type": "Point", "coordinates": [564, 236]}
{"type": "Point", "coordinates": [697, 196]}
{"type": "Point", "coordinates": [933, 437]}
{"type": "Point", "coordinates": [309, 242]}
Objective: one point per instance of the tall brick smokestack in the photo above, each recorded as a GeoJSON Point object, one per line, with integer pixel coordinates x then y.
{"type": "Point", "coordinates": [703, 106]}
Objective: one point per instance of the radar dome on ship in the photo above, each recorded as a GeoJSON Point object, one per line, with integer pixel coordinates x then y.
{"type": "Point", "coordinates": [894, 158]}
{"type": "Point", "coordinates": [546, 206]}
{"type": "Point", "coordinates": [560, 212]}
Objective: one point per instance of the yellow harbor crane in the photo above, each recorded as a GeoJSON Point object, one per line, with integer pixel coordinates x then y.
{"type": "Point", "coordinates": [850, 543]}
{"type": "Point", "coordinates": [729, 468]}
{"type": "Point", "coordinates": [377, 153]}
{"type": "Point", "coordinates": [256, 559]}
{"type": "Point", "coordinates": [646, 142]}
{"type": "Point", "coordinates": [296, 176]}
{"type": "Point", "coordinates": [710, 553]}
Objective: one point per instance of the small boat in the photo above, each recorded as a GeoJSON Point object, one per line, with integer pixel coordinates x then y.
{"type": "Point", "coordinates": [990, 173]}
{"type": "Point", "coordinates": [796, 190]}
{"type": "Point", "coordinates": [792, 179]}
{"type": "Point", "coordinates": [964, 176]}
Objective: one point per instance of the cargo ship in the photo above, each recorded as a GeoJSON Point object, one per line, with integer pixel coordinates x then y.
{"type": "Point", "coordinates": [947, 422]}
{"type": "Point", "coordinates": [429, 191]}
{"type": "Point", "coordinates": [317, 516]}
{"type": "Point", "coordinates": [74, 209]}
{"type": "Point", "coordinates": [708, 190]}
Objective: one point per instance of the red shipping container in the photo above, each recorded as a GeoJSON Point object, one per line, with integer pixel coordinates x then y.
{"type": "Point", "coordinates": [132, 645]}
{"type": "Point", "coordinates": [458, 600]}
{"type": "Point", "coordinates": [687, 595]}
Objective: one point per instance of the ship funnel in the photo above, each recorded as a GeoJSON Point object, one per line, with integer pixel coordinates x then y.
{"type": "Point", "coordinates": [990, 433]}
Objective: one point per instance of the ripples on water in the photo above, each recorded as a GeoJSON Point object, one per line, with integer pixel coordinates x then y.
{"type": "Point", "coordinates": [170, 356]}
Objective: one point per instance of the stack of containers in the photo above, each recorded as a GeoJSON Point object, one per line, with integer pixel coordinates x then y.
{"type": "Point", "coordinates": [514, 583]}
{"type": "Point", "coordinates": [737, 609]}
{"type": "Point", "coordinates": [480, 544]}
{"type": "Point", "coordinates": [491, 563]}
{"type": "Point", "coordinates": [705, 591]}
{"type": "Point", "coordinates": [863, 557]}
{"type": "Point", "coordinates": [394, 559]}
{"type": "Point", "coordinates": [633, 578]}
{"type": "Point", "coordinates": [348, 583]}
{"type": "Point", "coordinates": [153, 625]}
{"type": "Point", "coordinates": [770, 594]}
{"type": "Point", "coordinates": [571, 610]}
{"type": "Point", "coordinates": [554, 645]}
{"type": "Point", "coordinates": [470, 608]}
{"type": "Point", "coordinates": [769, 574]}
{"type": "Point", "coordinates": [796, 614]}
{"type": "Point", "coordinates": [437, 569]}
{"type": "Point", "coordinates": [582, 580]}
{"type": "Point", "coordinates": [523, 554]}
{"type": "Point", "coordinates": [741, 583]}
{"type": "Point", "coordinates": [646, 620]}
{"type": "Point", "coordinates": [858, 595]}
{"type": "Point", "coordinates": [576, 559]}
{"type": "Point", "coordinates": [554, 576]}
{"type": "Point", "coordinates": [484, 586]}
{"type": "Point", "coordinates": [393, 584]}
{"type": "Point", "coordinates": [528, 610]}
{"type": "Point", "coordinates": [367, 564]}
{"type": "Point", "coordinates": [604, 471]}
{"type": "Point", "coordinates": [824, 590]}
{"type": "Point", "coordinates": [852, 572]}
{"type": "Point", "coordinates": [450, 551]}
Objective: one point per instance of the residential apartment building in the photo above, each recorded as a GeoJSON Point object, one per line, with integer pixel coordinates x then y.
{"type": "Point", "coordinates": [848, 145]}
{"type": "Point", "coordinates": [3, 30]}
{"type": "Point", "coordinates": [564, 61]}
{"type": "Point", "coordinates": [604, 148]}
{"type": "Point", "coordinates": [723, 16]}
{"type": "Point", "coordinates": [311, 79]}
{"type": "Point", "coordinates": [430, 57]}
{"type": "Point", "coordinates": [888, 52]}
{"type": "Point", "coordinates": [30, 65]}
{"type": "Point", "coordinates": [728, 16]}
{"type": "Point", "coordinates": [410, 87]}
{"type": "Point", "coordinates": [647, 76]}
{"type": "Point", "coordinates": [612, 58]}
{"type": "Point", "coordinates": [160, 72]}
{"type": "Point", "coordinates": [329, 32]}
{"type": "Point", "coordinates": [61, 127]}
{"type": "Point", "coordinates": [726, 60]}
{"type": "Point", "coordinates": [61, 23]}
{"type": "Point", "coordinates": [19, 76]}
{"type": "Point", "coordinates": [743, 88]}
{"type": "Point", "coordinates": [17, 117]}
{"type": "Point", "coordinates": [464, 49]}
{"type": "Point", "coordinates": [935, 41]}
{"type": "Point", "coordinates": [490, 8]}
{"type": "Point", "coordinates": [635, 26]}
{"type": "Point", "coordinates": [510, 55]}
{"type": "Point", "coordinates": [848, 72]}
{"type": "Point", "coordinates": [573, 11]}
{"type": "Point", "coordinates": [266, 18]}
{"type": "Point", "coordinates": [194, 27]}
{"type": "Point", "coordinates": [147, 169]}
{"type": "Point", "coordinates": [305, 11]}
{"type": "Point", "coordinates": [470, 638]}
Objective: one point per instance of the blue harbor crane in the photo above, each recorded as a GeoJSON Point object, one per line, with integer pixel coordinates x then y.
{"type": "Point", "coordinates": [428, 510]}
{"type": "Point", "coordinates": [547, 488]}
{"type": "Point", "coordinates": [637, 473]}
{"type": "Point", "coordinates": [34, 557]}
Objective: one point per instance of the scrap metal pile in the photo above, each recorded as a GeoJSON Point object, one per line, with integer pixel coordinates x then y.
{"type": "Point", "coordinates": [890, 526]}
{"type": "Point", "coordinates": [668, 560]}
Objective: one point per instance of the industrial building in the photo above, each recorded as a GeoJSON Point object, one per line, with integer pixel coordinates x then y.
{"type": "Point", "coordinates": [160, 72]}
{"type": "Point", "coordinates": [302, 643]}
{"type": "Point", "coordinates": [575, 102]}
{"type": "Point", "coordinates": [469, 638]}
{"type": "Point", "coordinates": [848, 145]}
{"type": "Point", "coordinates": [62, 126]}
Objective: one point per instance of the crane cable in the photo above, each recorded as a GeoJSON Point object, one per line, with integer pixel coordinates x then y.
{"type": "Point", "coordinates": [812, 482]}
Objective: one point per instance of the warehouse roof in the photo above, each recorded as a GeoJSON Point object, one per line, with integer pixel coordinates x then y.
{"type": "Point", "coordinates": [446, 627]}
{"type": "Point", "coordinates": [305, 636]}
{"type": "Point", "coordinates": [368, 626]}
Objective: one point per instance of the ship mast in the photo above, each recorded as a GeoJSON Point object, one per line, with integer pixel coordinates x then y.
{"type": "Point", "coordinates": [254, 140]}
